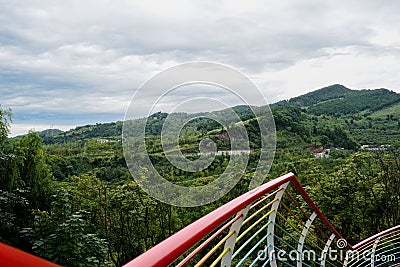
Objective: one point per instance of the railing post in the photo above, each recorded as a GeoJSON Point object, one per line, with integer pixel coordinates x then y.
{"type": "Point", "coordinates": [326, 249]}
{"type": "Point", "coordinates": [373, 251]}
{"type": "Point", "coordinates": [271, 226]}
{"type": "Point", "coordinates": [303, 238]}
{"type": "Point", "coordinates": [231, 241]}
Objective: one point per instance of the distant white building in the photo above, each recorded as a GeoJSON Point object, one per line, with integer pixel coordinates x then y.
{"type": "Point", "coordinates": [326, 153]}
{"type": "Point", "coordinates": [225, 152]}
{"type": "Point", "coordinates": [103, 141]}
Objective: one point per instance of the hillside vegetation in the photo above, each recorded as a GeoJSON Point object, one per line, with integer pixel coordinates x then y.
{"type": "Point", "coordinates": [69, 196]}
{"type": "Point", "coordinates": [338, 100]}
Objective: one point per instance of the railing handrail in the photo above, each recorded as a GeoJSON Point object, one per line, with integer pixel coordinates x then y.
{"type": "Point", "coordinates": [374, 237]}
{"type": "Point", "coordinates": [167, 251]}
{"type": "Point", "coordinates": [11, 257]}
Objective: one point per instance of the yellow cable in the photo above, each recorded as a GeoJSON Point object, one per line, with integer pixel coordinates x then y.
{"type": "Point", "coordinates": [294, 228]}
{"type": "Point", "coordinates": [302, 223]}
{"type": "Point", "coordinates": [212, 251]}
{"type": "Point", "coordinates": [220, 257]}
{"type": "Point", "coordinates": [254, 224]}
{"type": "Point", "coordinates": [257, 212]}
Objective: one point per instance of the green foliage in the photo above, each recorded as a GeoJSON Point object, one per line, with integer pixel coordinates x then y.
{"type": "Point", "coordinates": [357, 101]}
{"type": "Point", "coordinates": [100, 130]}
{"type": "Point", "coordinates": [391, 112]}
{"type": "Point", "coordinates": [336, 137]}
{"type": "Point", "coordinates": [33, 172]}
{"type": "Point", "coordinates": [13, 209]}
{"type": "Point", "coordinates": [5, 117]}
{"type": "Point", "coordinates": [325, 94]}
{"type": "Point", "coordinates": [64, 236]}
{"type": "Point", "coordinates": [369, 194]}
{"type": "Point", "coordinates": [338, 100]}
{"type": "Point", "coordinates": [25, 183]}
{"type": "Point", "coordinates": [49, 132]}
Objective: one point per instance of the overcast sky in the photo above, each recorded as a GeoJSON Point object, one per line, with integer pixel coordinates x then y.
{"type": "Point", "coordinates": [69, 63]}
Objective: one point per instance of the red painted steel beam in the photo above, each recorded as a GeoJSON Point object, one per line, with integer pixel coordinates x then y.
{"type": "Point", "coordinates": [12, 257]}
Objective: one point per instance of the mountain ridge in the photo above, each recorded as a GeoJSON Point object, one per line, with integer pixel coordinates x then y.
{"type": "Point", "coordinates": [334, 100]}
{"type": "Point", "coordinates": [324, 94]}
{"type": "Point", "coordinates": [338, 100]}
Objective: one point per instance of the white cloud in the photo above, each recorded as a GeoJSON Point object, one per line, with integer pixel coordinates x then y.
{"type": "Point", "coordinates": [355, 67]}
{"type": "Point", "coordinates": [88, 57]}
{"type": "Point", "coordinates": [20, 129]}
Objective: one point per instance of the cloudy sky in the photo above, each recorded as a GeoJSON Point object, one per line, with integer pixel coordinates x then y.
{"type": "Point", "coordinates": [69, 63]}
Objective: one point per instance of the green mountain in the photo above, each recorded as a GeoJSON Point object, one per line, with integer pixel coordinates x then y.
{"type": "Point", "coordinates": [50, 132]}
{"type": "Point", "coordinates": [45, 133]}
{"type": "Point", "coordinates": [332, 92]}
{"type": "Point", "coordinates": [86, 132]}
{"type": "Point", "coordinates": [369, 116]}
{"type": "Point", "coordinates": [387, 112]}
{"type": "Point", "coordinates": [337, 100]}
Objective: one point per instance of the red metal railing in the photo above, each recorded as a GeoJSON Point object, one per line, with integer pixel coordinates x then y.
{"type": "Point", "coordinates": [12, 257]}
{"type": "Point", "coordinates": [169, 250]}
{"type": "Point", "coordinates": [374, 237]}
{"type": "Point", "coordinates": [380, 250]}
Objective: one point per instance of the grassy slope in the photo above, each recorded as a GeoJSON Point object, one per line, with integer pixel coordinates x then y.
{"type": "Point", "coordinates": [393, 110]}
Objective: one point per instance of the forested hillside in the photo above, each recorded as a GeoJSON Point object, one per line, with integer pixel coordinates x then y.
{"type": "Point", "coordinates": [69, 197]}
{"type": "Point", "coordinates": [338, 100]}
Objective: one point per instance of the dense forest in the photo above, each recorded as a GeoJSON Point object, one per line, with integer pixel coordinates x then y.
{"type": "Point", "coordinates": [70, 198]}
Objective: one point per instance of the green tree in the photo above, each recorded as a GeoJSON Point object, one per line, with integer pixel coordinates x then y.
{"type": "Point", "coordinates": [64, 236]}
{"type": "Point", "coordinates": [33, 173]}
{"type": "Point", "coordinates": [25, 182]}
{"type": "Point", "coordinates": [5, 118]}
{"type": "Point", "coordinates": [362, 197]}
